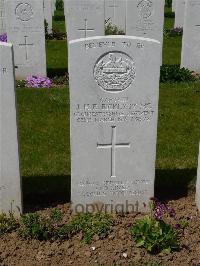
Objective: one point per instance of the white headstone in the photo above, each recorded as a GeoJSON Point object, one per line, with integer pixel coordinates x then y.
{"type": "Point", "coordinates": [198, 183]}
{"type": "Point", "coordinates": [173, 5]}
{"type": "Point", "coordinates": [115, 13]}
{"type": "Point", "coordinates": [145, 18]}
{"type": "Point", "coordinates": [190, 56]}
{"type": "Point", "coordinates": [2, 17]}
{"type": "Point", "coordinates": [25, 29]}
{"type": "Point", "coordinates": [10, 184]}
{"type": "Point", "coordinates": [179, 13]}
{"type": "Point", "coordinates": [48, 14]}
{"type": "Point", "coordinates": [114, 87]}
{"type": "Point", "coordinates": [84, 18]}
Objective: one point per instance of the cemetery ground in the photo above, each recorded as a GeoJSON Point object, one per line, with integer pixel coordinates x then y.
{"type": "Point", "coordinates": [45, 167]}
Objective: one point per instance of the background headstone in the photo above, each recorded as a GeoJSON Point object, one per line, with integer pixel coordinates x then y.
{"type": "Point", "coordinates": [84, 18]}
{"type": "Point", "coordinates": [145, 18]}
{"type": "Point", "coordinates": [114, 87]}
{"type": "Point", "coordinates": [48, 14]}
{"type": "Point", "coordinates": [53, 7]}
{"type": "Point", "coordinates": [2, 17]}
{"type": "Point", "coordinates": [179, 13]}
{"type": "Point", "coordinates": [25, 29]}
{"type": "Point", "coordinates": [198, 183]}
{"type": "Point", "coordinates": [173, 5]}
{"type": "Point", "coordinates": [10, 184]}
{"type": "Point", "coordinates": [115, 13]}
{"type": "Point", "coordinates": [190, 55]}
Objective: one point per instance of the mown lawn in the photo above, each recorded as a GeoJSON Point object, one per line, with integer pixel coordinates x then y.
{"type": "Point", "coordinates": [44, 127]}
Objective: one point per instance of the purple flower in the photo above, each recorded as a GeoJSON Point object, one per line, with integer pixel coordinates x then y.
{"type": "Point", "coordinates": [160, 209]}
{"type": "Point", "coordinates": [177, 226]}
{"type": "Point", "coordinates": [3, 37]}
{"type": "Point", "coordinates": [38, 82]}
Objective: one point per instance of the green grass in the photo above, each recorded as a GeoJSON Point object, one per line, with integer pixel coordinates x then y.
{"type": "Point", "coordinates": [59, 25]}
{"type": "Point", "coordinates": [172, 50]}
{"type": "Point", "coordinates": [169, 23]}
{"type": "Point", "coordinates": [56, 57]}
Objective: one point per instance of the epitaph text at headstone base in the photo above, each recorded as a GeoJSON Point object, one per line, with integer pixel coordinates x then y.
{"type": "Point", "coordinates": [2, 17]}
{"type": "Point", "coordinates": [84, 18]}
{"type": "Point", "coordinates": [10, 184]}
{"type": "Point", "coordinates": [198, 183]}
{"type": "Point", "coordinates": [190, 55]}
{"type": "Point", "coordinates": [145, 18]}
{"type": "Point", "coordinates": [179, 13]}
{"type": "Point", "coordinates": [114, 84]}
{"type": "Point", "coordinates": [48, 14]}
{"type": "Point", "coordinates": [115, 13]}
{"type": "Point", "coordinates": [25, 29]}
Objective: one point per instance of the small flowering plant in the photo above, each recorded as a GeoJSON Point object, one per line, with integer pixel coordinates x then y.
{"type": "Point", "coordinates": [38, 82]}
{"type": "Point", "coordinates": [152, 231]}
{"type": "Point", "coordinates": [3, 37]}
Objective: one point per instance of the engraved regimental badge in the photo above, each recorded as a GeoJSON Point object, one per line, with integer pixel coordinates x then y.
{"type": "Point", "coordinates": [114, 71]}
{"type": "Point", "coordinates": [145, 8]}
{"type": "Point", "coordinates": [24, 11]}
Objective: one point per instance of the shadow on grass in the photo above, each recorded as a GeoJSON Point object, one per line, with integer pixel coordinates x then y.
{"type": "Point", "coordinates": [52, 72]}
{"type": "Point", "coordinates": [174, 183]}
{"type": "Point", "coordinates": [41, 192]}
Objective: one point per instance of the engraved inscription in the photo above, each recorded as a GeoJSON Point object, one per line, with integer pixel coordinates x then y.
{"type": "Point", "coordinates": [113, 145]}
{"type": "Point", "coordinates": [24, 12]}
{"type": "Point", "coordinates": [119, 187]}
{"type": "Point", "coordinates": [114, 71]}
{"type": "Point", "coordinates": [86, 29]}
{"type": "Point", "coordinates": [145, 9]}
{"type": "Point", "coordinates": [114, 110]}
{"type": "Point", "coordinates": [26, 45]}
{"type": "Point", "coordinates": [4, 70]}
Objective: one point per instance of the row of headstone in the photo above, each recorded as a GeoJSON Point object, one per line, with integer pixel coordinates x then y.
{"type": "Point", "coordinates": [86, 18]}
{"type": "Point", "coordinates": [114, 100]}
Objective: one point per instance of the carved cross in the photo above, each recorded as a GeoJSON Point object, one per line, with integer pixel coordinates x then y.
{"type": "Point", "coordinates": [113, 146]}
{"type": "Point", "coordinates": [86, 29]}
{"type": "Point", "coordinates": [26, 44]}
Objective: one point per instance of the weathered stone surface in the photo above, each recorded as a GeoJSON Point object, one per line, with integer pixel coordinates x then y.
{"type": "Point", "coordinates": [2, 17]}
{"type": "Point", "coordinates": [25, 29]}
{"type": "Point", "coordinates": [10, 184]}
{"type": "Point", "coordinates": [114, 87]}
{"type": "Point", "coordinates": [179, 13]}
{"type": "Point", "coordinates": [84, 18]}
{"type": "Point", "coordinates": [190, 55]}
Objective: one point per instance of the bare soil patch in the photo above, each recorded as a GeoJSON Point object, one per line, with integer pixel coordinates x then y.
{"type": "Point", "coordinates": [117, 249]}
